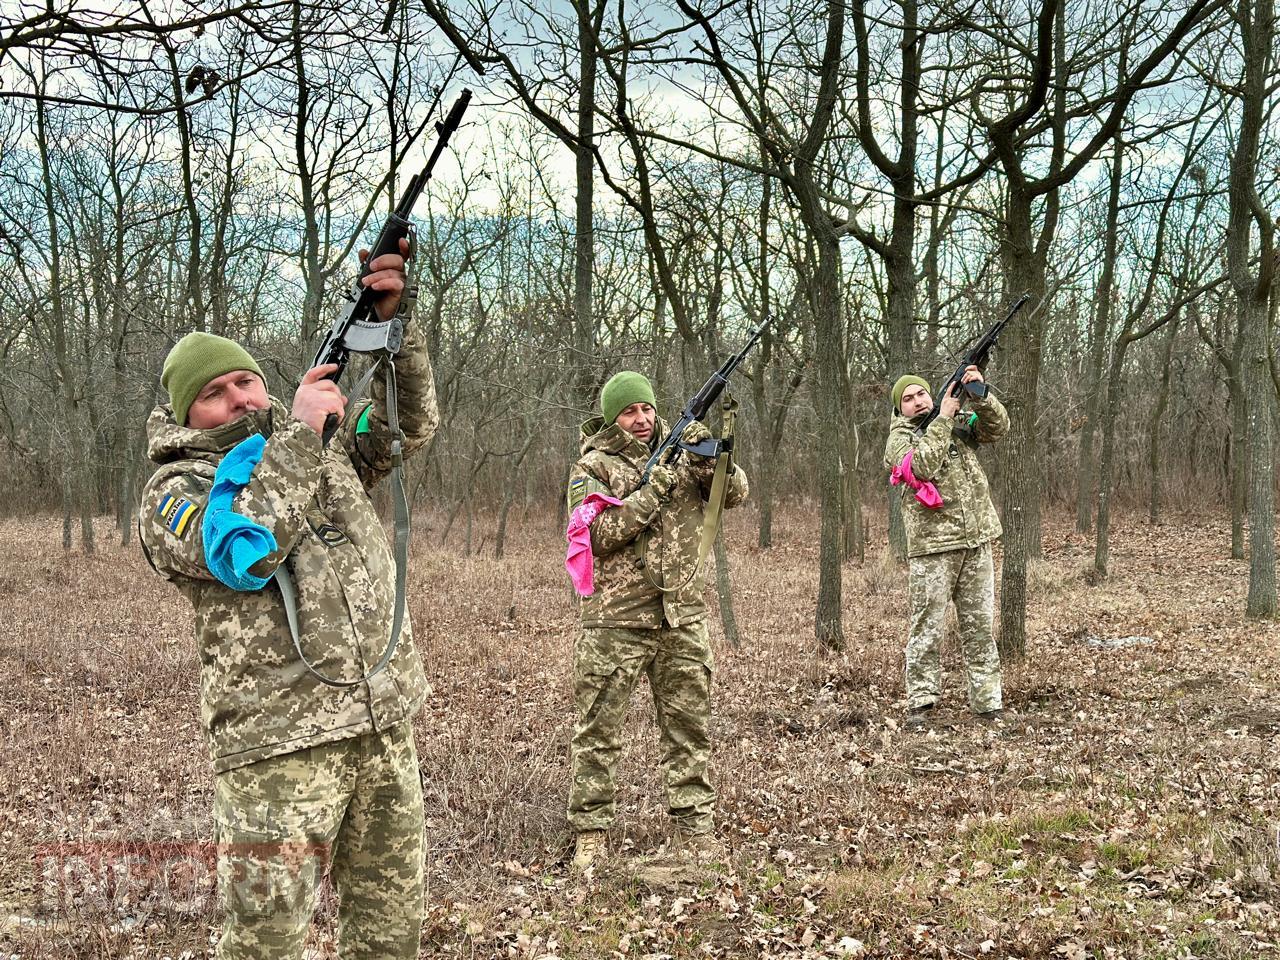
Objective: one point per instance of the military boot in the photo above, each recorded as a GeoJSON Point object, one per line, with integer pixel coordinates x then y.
{"type": "Point", "coordinates": [588, 847]}
{"type": "Point", "coordinates": [703, 847]}
{"type": "Point", "coordinates": [919, 717]}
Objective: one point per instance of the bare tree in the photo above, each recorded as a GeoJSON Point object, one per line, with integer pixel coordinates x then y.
{"type": "Point", "coordinates": [1252, 279]}
{"type": "Point", "coordinates": [1034, 175]}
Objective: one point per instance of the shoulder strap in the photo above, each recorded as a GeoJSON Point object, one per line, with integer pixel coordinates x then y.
{"type": "Point", "coordinates": [285, 581]}
{"type": "Point", "coordinates": [714, 509]}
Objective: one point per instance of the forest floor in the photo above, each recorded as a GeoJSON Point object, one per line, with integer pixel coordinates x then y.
{"type": "Point", "coordinates": [1129, 806]}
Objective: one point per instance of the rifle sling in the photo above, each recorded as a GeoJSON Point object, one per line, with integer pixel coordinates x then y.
{"type": "Point", "coordinates": [285, 581]}
{"type": "Point", "coordinates": [714, 509]}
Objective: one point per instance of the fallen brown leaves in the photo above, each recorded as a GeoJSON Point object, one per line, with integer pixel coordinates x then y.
{"type": "Point", "coordinates": [1126, 808]}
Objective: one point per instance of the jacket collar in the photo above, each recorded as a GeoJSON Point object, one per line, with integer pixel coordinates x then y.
{"type": "Point", "coordinates": [168, 441]}
{"type": "Point", "coordinates": [612, 439]}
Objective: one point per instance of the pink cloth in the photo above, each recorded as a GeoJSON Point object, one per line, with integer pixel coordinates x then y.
{"type": "Point", "coordinates": [579, 561]}
{"type": "Point", "coordinates": [926, 492]}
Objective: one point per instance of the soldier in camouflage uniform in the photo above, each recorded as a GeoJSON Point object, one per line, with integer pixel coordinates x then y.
{"type": "Point", "coordinates": [949, 547]}
{"type": "Point", "coordinates": [307, 776]}
{"type": "Point", "coordinates": [646, 616]}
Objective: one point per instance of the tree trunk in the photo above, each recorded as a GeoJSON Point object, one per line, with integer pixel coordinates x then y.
{"type": "Point", "coordinates": [724, 591]}
{"type": "Point", "coordinates": [766, 461]}
{"type": "Point", "coordinates": [1157, 417]}
{"type": "Point", "coordinates": [1110, 407]}
{"type": "Point", "coordinates": [1098, 333]}
{"type": "Point", "coordinates": [67, 500]}
{"type": "Point", "coordinates": [583, 387]}
{"type": "Point", "coordinates": [763, 484]}
{"type": "Point", "coordinates": [825, 296]}
{"type": "Point", "coordinates": [1238, 452]}
{"type": "Point", "coordinates": [77, 476]}
{"type": "Point", "coordinates": [1245, 213]}
{"type": "Point", "coordinates": [1019, 466]}
{"type": "Point", "coordinates": [1261, 602]}
{"type": "Point", "coordinates": [309, 254]}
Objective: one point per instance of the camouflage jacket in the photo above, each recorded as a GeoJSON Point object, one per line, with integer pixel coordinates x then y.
{"type": "Point", "coordinates": [946, 454]}
{"type": "Point", "coordinates": [257, 698]}
{"type": "Point", "coordinates": [647, 539]}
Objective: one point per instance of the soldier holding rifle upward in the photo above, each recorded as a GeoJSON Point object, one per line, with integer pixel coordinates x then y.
{"type": "Point", "coordinates": [951, 524]}
{"type": "Point", "coordinates": [310, 771]}
{"type": "Point", "coordinates": [260, 514]}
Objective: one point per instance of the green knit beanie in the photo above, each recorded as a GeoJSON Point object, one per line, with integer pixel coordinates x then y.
{"type": "Point", "coordinates": [622, 390]}
{"type": "Point", "coordinates": [905, 381]}
{"type": "Point", "coordinates": [195, 360]}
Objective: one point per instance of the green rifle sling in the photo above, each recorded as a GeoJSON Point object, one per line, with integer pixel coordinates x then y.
{"type": "Point", "coordinates": [714, 509]}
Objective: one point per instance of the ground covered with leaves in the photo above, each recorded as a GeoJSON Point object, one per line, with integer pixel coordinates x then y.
{"type": "Point", "coordinates": [1127, 807]}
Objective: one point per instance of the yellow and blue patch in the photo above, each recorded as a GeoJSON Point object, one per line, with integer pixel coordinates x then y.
{"type": "Point", "coordinates": [577, 492]}
{"type": "Point", "coordinates": [176, 513]}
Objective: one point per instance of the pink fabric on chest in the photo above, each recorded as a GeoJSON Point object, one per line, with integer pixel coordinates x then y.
{"type": "Point", "coordinates": [926, 492]}
{"type": "Point", "coordinates": [579, 561]}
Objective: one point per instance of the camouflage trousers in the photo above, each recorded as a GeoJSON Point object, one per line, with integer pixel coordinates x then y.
{"type": "Point", "coordinates": [353, 807]}
{"type": "Point", "coordinates": [968, 578]}
{"type": "Point", "coordinates": [607, 664]}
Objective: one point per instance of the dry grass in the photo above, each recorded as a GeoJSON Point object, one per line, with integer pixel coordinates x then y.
{"type": "Point", "coordinates": [1127, 809]}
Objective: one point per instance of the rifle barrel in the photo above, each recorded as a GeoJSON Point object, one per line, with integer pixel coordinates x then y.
{"type": "Point", "coordinates": [410, 196]}
{"type": "Point", "coordinates": [444, 130]}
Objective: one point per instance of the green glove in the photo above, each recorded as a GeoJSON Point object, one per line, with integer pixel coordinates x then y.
{"type": "Point", "coordinates": [662, 478]}
{"type": "Point", "coordinates": [695, 433]}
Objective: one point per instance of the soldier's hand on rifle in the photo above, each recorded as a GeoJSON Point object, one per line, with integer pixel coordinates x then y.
{"type": "Point", "coordinates": [387, 275]}
{"type": "Point", "coordinates": [316, 397]}
{"type": "Point", "coordinates": [972, 375]}
{"type": "Point", "coordinates": [662, 478]}
{"type": "Point", "coordinates": [951, 401]}
{"type": "Point", "coordinates": [695, 433]}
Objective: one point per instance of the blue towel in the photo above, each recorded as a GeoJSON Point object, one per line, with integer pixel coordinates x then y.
{"type": "Point", "coordinates": [233, 543]}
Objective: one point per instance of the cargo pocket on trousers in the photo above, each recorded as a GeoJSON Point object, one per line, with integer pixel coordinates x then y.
{"type": "Point", "coordinates": [270, 854]}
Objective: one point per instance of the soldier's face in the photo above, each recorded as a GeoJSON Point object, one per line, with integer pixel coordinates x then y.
{"type": "Point", "coordinates": [915, 401]}
{"type": "Point", "coordinates": [226, 398]}
{"type": "Point", "coordinates": [638, 420]}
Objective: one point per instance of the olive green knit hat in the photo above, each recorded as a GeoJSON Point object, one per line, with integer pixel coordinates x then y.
{"type": "Point", "coordinates": [907, 380]}
{"type": "Point", "coordinates": [195, 360]}
{"type": "Point", "coordinates": [622, 390]}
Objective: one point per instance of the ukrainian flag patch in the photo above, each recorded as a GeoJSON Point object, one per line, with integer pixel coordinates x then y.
{"type": "Point", "coordinates": [176, 513]}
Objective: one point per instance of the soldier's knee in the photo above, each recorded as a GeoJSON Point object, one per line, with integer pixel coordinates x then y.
{"type": "Point", "coordinates": [257, 936]}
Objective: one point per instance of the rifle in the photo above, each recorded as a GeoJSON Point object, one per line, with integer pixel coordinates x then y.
{"type": "Point", "coordinates": [357, 328]}
{"type": "Point", "coordinates": [977, 357]}
{"type": "Point", "coordinates": [698, 406]}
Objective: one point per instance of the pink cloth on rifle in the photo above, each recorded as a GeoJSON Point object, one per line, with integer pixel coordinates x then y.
{"type": "Point", "coordinates": [580, 561]}
{"type": "Point", "coordinates": [926, 492]}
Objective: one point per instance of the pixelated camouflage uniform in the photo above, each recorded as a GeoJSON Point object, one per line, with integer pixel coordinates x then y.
{"type": "Point", "coordinates": [300, 765]}
{"type": "Point", "coordinates": [630, 627]}
{"type": "Point", "coordinates": [950, 549]}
